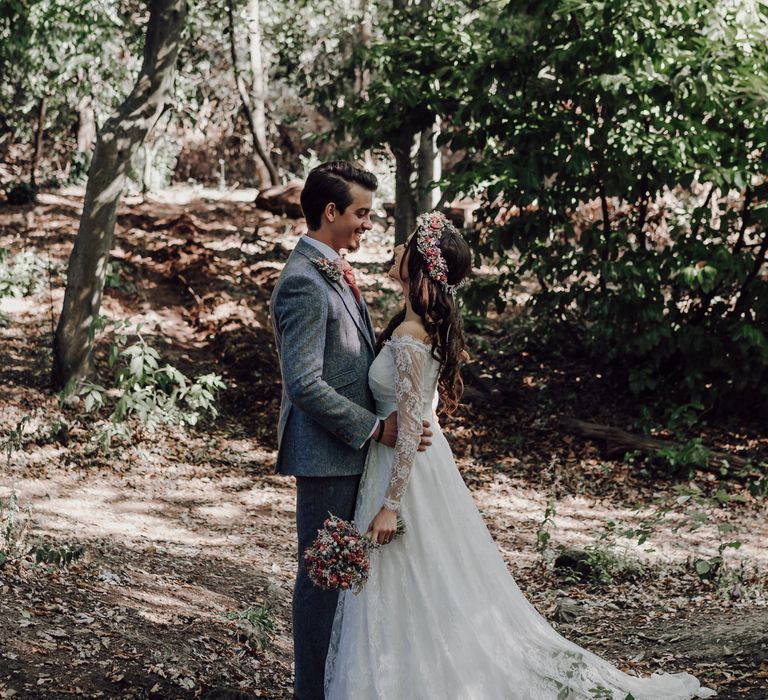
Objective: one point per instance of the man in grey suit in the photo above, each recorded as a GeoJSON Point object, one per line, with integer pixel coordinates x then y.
{"type": "Point", "coordinates": [325, 341]}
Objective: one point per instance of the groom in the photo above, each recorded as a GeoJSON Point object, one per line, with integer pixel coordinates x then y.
{"type": "Point", "coordinates": [325, 341]}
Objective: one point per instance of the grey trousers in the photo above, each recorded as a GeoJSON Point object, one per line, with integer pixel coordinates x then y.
{"type": "Point", "coordinates": [313, 607]}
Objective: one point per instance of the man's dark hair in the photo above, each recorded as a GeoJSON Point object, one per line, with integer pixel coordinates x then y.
{"type": "Point", "coordinates": [329, 182]}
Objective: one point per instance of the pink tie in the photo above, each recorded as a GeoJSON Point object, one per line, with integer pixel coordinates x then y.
{"type": "Point", "coordinates": [349, 276]}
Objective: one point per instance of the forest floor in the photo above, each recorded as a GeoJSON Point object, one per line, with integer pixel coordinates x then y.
{"type": "Point", "coordinates": [186, 577]}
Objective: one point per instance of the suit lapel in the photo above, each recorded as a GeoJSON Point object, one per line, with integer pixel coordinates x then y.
{"type": "Point", "coordinates": [347, 298]}
{"type": "Point", "coordinates": [369, 324]}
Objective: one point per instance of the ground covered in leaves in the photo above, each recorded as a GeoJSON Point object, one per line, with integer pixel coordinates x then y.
{"type": "Point", "coordinates": [185, 576]}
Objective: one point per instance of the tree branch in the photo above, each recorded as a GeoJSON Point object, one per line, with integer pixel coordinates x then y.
{"type": "Point", "coordinates": [759, 260]}
{"type": "Point", "coordinates": [697, 225]}
{"type": "Point", "coordinates": [744, 220]}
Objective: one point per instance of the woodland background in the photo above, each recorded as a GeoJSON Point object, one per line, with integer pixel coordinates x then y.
{"type": "Point", "coordinates": [607, 162]}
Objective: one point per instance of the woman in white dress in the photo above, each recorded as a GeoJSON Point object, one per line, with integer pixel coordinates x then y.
{"type": "Point", "coordinates": [440, 617]}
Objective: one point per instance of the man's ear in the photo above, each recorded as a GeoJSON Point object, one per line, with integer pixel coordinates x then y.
{"type": "Point", "coordinates": [330, 211]}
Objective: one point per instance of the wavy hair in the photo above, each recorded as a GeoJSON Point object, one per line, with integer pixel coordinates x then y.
{"type": "Point", "coordinates": [438, 311]}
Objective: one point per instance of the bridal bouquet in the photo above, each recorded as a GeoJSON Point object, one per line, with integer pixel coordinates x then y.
{"type": "Point", "coordinates": [340, 555]}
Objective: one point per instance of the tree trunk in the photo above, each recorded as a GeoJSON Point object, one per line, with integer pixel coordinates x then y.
{"type": "Point", "coordinates": [405, 200]}
{"type": "Point", "coordinates": [86, 125]}
{"type": "Point", "coordinates": [116, 144]}
{"type": "Point", "coordinates": [267, 170]}
{"type": "Point", "coordinates": [429, 169]}
{"type": "Point", "coordinates": [619, 441]}
{"type": "Point", "coordinates": [150, 150]}
{"type": "Point", "coordinates": [425, 169]}
{"type": "Point", "coordinates": [363, 77]}
{"type": "Point", "coordinates": [250, 102]}
{"type": "Point", "coordinates": [425, 159]}
{"type": "Point", "coordinates": [38, 141]}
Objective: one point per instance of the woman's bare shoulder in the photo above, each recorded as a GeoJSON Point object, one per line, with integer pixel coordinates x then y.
{"type": "Point", "coordinates": [412, 329]}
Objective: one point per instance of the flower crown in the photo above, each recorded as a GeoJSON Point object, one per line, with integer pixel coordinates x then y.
{"type": "Point", "coordinates": [429, 231]}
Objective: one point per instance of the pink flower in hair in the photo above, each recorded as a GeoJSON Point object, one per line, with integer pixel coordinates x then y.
{"type": "Point", "coordinates": [428, 235]}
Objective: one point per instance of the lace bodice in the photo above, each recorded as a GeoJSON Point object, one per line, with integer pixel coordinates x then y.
{"type": "Point", "coordinates": [403, 378]}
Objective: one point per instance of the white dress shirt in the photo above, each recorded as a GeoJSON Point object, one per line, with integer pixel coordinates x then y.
{"type": "Point", "coordinates": [324, 248]}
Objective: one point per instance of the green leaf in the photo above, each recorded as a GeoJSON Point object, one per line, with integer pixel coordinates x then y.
{"type": "Point", "coordinates": [702, 567]}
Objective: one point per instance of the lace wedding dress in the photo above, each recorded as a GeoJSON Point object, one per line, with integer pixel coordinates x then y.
{"type": "Point", "coordinates": [440, 617]}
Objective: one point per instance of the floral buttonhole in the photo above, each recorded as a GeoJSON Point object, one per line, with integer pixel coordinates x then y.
{"type": "Point", "coordinates": [331, 269]}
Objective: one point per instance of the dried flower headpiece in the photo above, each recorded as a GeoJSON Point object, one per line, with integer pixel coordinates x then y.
{"type": "Point", "coordinates": [429, 231]}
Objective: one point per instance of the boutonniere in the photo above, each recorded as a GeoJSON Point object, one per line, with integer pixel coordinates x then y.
{"type": "Point", "coordinates": [331, 269]}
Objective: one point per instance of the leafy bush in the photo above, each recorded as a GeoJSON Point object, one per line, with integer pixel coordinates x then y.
{"type": "Point", "coordinates": [22, 275]}
{"type": "Point", "coordinates": [686, 458]}
{"type": "Point", "coordinates": [14, 527]}
{"type": "Point", "coordinates": [152, 394]}
{"type": "Point", "coordinates": [619, 149]}
{"type": "Point", "coordinates": [602, 141]}
{"type": "Point", "coordinates": [255, 624]}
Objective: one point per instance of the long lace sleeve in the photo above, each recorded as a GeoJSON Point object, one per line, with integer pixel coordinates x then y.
{"type": "Point", "coordinates": [410, 359]}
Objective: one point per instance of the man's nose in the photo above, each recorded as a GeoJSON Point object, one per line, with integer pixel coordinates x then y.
{"type": "Point", "coordinates": [368, 224]}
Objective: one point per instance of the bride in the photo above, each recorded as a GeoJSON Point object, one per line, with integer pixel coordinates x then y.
{"type": "Point", "coordinates": [440, 617]}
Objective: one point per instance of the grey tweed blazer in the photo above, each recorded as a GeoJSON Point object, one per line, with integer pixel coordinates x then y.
{"type": "Point", "coordinates": [325, 343]}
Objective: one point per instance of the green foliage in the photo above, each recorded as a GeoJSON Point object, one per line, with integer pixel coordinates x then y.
{"type": "Point", "coordinates": [603, 563]}
{"type": "Point", "coordinates": [619, 150]}
{"type": "Point", "coordinates": [22, 275]}
{"type": "Point", "coordinates": [152, 394]}
{"type": "Point", "coordinates": [59, 555]}
{"type": "Point", "coordinates": [686, 458]}
{"type": "Point", "coordinates": [79, 164]}
{"type": "Point", "coordinates": [255, 624]}
{"type": "Point", "coordinates": [53, 49]}
{"type": "Point", "coordinates": [404, 65]}
{"type": "Point", "coordinates": [599, 123]}
{"type": "Point", "coordinates": [21, 193]}
{"type": "Point", "coordinates": [542, 533]}
{"type": "Point", "coordinates": [693, 509]}
{"type": "Point", "coordinates": [118, 277]}
{"type": "Point", "coordinates": [14, 525]}
{"type": "Point", "coordinates": [13, 441]}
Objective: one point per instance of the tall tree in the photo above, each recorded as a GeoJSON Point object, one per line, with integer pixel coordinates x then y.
{"type": "Point", "coordinates": [117, 143]}
{"type": "Point", "coordinates": [259, 89]}
{"type": "Point", "coordinates": [395, 104]}
{"type": "Point", "coordinates": [253, 101]}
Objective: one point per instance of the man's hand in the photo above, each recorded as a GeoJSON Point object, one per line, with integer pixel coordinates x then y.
{"type": "Point", "coordinates": [389, 436]}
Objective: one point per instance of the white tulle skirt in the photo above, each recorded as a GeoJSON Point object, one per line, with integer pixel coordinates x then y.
{"type": "Point", "coordinates": [441, 618]}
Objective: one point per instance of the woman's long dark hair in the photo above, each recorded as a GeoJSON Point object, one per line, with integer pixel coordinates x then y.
{"type": "Point", "coordinates": [438, 311]}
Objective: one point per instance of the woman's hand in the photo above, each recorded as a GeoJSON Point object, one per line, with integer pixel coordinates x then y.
{"type": "Point", "coordinates": [384, 526]}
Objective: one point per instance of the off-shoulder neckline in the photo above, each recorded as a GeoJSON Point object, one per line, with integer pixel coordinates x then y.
{"type": "Point", "coordinates": [408, 339]}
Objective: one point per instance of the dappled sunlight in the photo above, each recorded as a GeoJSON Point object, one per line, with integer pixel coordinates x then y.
{"type": "Point", "coordinates": [580, 520]}
{"type": "Point", "coordinates": [182, 527]}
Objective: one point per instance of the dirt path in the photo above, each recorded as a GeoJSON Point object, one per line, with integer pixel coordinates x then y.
{"type": "Point", "coordinates": [184, 530]}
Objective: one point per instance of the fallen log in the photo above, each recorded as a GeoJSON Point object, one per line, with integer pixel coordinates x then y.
{"type": "Point", "coordinates": [284, 200]}
{"type": "Point", "coordinates": [618, 441]}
